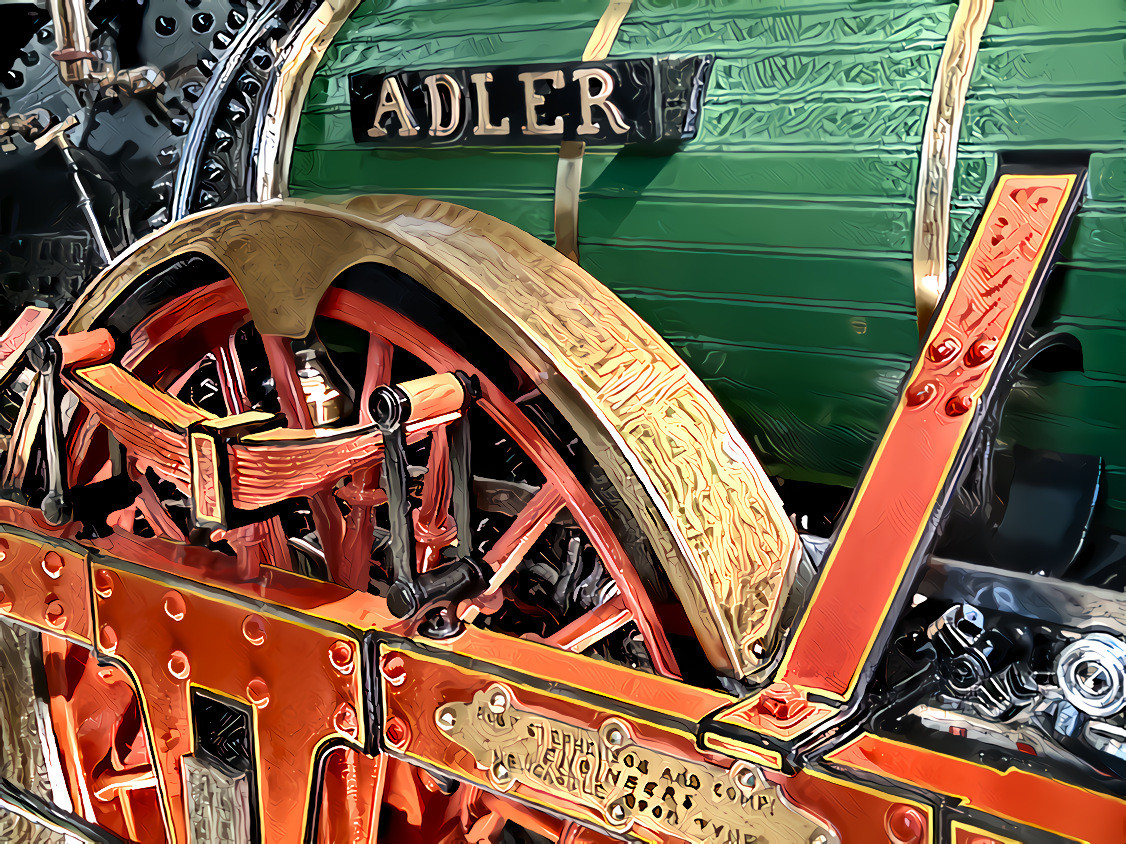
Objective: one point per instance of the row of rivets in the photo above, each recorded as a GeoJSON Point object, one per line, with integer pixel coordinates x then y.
{"type": "Point", "coordinates": [981, 351]}
{"type": "Point", "coordinates": [340, 654]}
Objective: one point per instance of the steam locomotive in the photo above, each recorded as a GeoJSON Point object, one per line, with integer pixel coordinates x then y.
{"type": "Point", "coordinates": [607, 420]}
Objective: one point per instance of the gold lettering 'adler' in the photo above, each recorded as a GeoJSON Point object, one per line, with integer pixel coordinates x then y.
{"type": "Point", "coordinates": [392, 101]}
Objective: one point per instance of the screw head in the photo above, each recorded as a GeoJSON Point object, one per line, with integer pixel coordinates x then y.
{"type": "Point", "coordinates": [617, 811]}
{"type": "Point", "coordinates": [500, 772]}
{"type": "Point", "coordinates": [981, 351]}
{"type": "Point", "coordinates": [178, 665]}
{"type": "Point", "coordinates": [905, 824]}
{"type": "Point", "coordinates": [446, 719]}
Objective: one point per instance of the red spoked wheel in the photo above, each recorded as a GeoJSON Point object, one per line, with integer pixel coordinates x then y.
{"type": "Point", "coordinates": [545, 521]}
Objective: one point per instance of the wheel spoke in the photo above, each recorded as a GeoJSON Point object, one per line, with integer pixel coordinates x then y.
{"type": "Point", "coordinates": [593, 626]}
{"type": "Point", "coordinates": [253, 545]}
{"type": "Point", "coordinates": [231, 378]}
{"type": "Point", "coordinates": [433, 527]}
{"type": "Point", "coordinates": [508, 551]}
{"type": "Point", "coordinates": [148, 502]}
{"type": "Point", "coordinates": [376, 374]}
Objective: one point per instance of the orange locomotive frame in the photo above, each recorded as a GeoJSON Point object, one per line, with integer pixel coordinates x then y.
{"type": "Point", "coordinates": [341, 693]}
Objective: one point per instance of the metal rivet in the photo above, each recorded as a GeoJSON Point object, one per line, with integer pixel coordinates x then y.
{"type": "Point", "coordinates": [55, 613]}
{"type": "Point", "coordinates": [397, 732]}
{"type": "Point", "coordinates": [920, 393]}
{"type": "Point", "coordinates": [107, 639]}
{"type": "Point", "coordinates": [905, 824]}
{"type": "Point", "coordinates": [175, 606]}
{"type": "Point", "coordinates": [340, 655]}
{"type": "Point", "coordinates": [52, 565]}
{"type": "Point", "coordinates": [254, 630]}
{"type": "Point", "coordinates": [394, 669]}
{"type": "Point", "coordinates": [614, 737]}
{"type": "Point", "coordinates": [941, 351]}
{"type": "Point", "coordinates": [981, 351]}
{"type": "Point", "coordinates": [103, 583]}
{"type": "Point", "coordinates": [258, 693]}
{"type": "Point", "coordinates": [178, 665]}
{"type": "Point", "coordinates": [959, 405]}
{"type": "Point", "coordinates": [345, 720]}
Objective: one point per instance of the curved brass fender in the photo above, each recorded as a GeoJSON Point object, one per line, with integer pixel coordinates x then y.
{"type": "Point", "coordinates": [684, 470]}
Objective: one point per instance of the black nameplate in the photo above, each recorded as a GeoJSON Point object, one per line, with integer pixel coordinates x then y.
{"type": "Point", "coordinates": [628, 101]}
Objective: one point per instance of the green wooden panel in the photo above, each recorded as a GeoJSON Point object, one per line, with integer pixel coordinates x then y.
{"type": "Point", "coordinates": [773, 251]}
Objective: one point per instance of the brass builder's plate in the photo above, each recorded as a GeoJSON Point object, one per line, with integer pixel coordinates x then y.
{"type": "Point", "coordinates": [634, 788]}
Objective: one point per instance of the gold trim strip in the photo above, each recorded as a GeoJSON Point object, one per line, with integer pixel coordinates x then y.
{"type": "Point", "coordinates": [568, 183]}
{"type": "Point", "coordinates": [569, 173]}
{"type": "Point", "coordinates": [299, 63]}
{"type": "Point", "coordinates": [971, 831]}
{"type": "Point", "coordinates": [602, 39]}
{"type": "Point", "coordinates": [939, 154]}
{"type": "Point", "coordinates": [741, 750]}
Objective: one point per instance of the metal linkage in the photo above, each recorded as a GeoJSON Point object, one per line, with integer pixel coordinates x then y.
{"type": "Point", "coordinates": [393, 407]}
